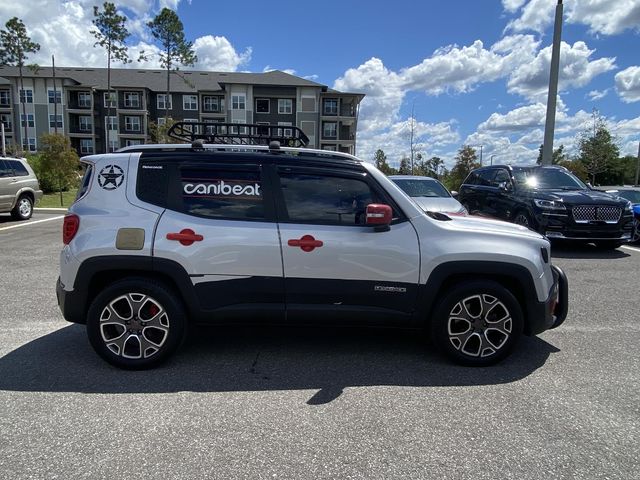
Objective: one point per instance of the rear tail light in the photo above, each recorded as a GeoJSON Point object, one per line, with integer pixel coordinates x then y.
{"type": "Point", "coordinates": [70, 228]}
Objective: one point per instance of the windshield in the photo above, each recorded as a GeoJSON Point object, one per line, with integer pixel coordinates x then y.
{"type": "Point", "coordinates": [631, 195]}
{"type": "Point", "coordinates": [422, 187]}
{"type": "Point", "coordinates": [548, 178]}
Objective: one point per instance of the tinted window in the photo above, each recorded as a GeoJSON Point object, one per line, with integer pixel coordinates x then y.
{"type": "Point", "coordinates": [484, 177]}
{"type": "Point", "coordinates": [631, 195]}
{"type": "Point", "coordinates": [472, 179]}
{"type": "Point", "coordinates": [18, 168]}
{"type": "Point", "coordinates": [548, 178]}
{"type": "Point", "coordinates": [86, 181]}
{"type": "Point", "coordinates": [501, 176]}
{"type": "Point", "coordinates": [222, 193]}
{"type": "Point", "coordinates": [421, 187]}
{"type": "Point", "coordinates": [324, 199]}
{"type": "Point", "coordinates": [5, 171]}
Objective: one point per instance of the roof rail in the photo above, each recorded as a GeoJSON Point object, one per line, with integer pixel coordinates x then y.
{"type": "Point", "coordinates": [237, 133]}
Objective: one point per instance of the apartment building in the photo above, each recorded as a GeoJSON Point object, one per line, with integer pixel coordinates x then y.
{"type": "Point", "coordinates": [79, 106]}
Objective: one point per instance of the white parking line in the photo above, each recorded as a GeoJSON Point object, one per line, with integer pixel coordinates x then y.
{"type": "Point", "coordinates": [633, 249]}
{"type": "Point", "coordinates": [31, 223]}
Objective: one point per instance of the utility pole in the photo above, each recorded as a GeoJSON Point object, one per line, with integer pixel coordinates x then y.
{"type": "Point", "coordinates": [4, 147]}
{"type": "Point", "coordinates": [638, 166]}
{"type": "Point", "coordinates": [481, 154]}
{"type": "Point", "coordinates": [547, 146]}
{"type": "Point", "coordinates": [55, 96]}
{"type": "Point", "coordinates": [413, 105]}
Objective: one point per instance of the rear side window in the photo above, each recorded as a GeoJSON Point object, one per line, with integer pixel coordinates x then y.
{"type": "Point", "coordinates": [19, 169]}
{"type": "Point", "coordinates": [5, 170]}
{"type": "Point", "coordinates": [86, 181]}
{"type": "Point", "coordinates": [485, 177]}
{"type": "Point", "coordinates": [222, 193]}
{"type": "Point", "coordinates": [328, 200]}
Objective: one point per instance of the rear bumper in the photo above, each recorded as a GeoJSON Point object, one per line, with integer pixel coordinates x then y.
{"type": "Point", "coordinates": [70, 305]}
{"type": "Point", "coordinates": [553, 311]}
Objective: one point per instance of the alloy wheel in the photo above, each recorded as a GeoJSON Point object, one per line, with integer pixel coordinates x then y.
{"type": "Point", "coordinates": [479, 325]}
{"type": "Point", "coordinates": [522, 219]}
{"type": "Point", "coordinates": [24, 207]}
{"type": "Point", "coordinates": [134, 326]}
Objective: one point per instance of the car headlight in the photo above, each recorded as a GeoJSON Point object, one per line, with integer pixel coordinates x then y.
{"type": "Point", "coordinates": [549, 204]}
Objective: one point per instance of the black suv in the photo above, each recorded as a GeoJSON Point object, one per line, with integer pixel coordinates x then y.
{"type": "Point", "coordinates": [550, 200]}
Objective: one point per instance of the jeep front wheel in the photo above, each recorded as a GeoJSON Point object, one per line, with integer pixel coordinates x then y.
{"type": "Point", "coordinates": [136, 324]}
{"type": "Point", "coordinates": [477, 323]}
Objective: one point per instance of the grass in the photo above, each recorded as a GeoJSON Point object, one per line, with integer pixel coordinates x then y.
{"type": "Point", "coordinates": [52, 200]}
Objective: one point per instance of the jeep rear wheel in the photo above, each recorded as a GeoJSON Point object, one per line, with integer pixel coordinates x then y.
{"type": "Point", "coordinates": [477, 323]}
{"type": "Point", "coordinates": [23, 209]}
{"type": "Point", "coordinates": [136, 324]}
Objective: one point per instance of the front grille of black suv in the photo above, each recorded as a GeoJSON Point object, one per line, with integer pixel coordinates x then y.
{"type": "Point", "coordinates": [593, 213]}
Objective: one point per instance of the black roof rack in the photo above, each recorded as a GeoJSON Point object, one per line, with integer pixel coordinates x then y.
{"type": "Point", "coordinates": [238, 133]}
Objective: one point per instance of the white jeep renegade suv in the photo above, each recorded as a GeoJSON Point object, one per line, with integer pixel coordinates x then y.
{"type": "Point", "coordinates": [166, 235]}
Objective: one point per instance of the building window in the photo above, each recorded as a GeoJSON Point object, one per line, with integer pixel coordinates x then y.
{"type": "Point", "coordinates": [287, 132]}
{"type": "Point", "coordinates": [30, 121]}
{"type": "Point", "coordinates": [262, 105]}
{"type": "Point", "coordinates": [5, 118]}
{"type": "Point", "coordinates": [5, 98]}
{"type": "Point", "coordinates": [210, 103]}
{"type": "Point", "coordinates": [330, 106]}
{"type": "Point", "coordinates": [84, 99]}
{"type": "Point", "coordinates": [26, 96]}
{"type": "Point", "coordinates": [238, 130]}
{"type": "Point", "coordinates": [113, 144]}
{"type": "Point", "coordinates": [55, 121]}
{"type": "Point", "coordinates": [130, 142]}
{"type": "Point", "coordinates": [111, 123]}
{"type": "Point", "coordinates": [55, 96]}
{"type": "Point", "coordinates": [29, 145]}
{"type": "Point", "coordinates": [84, 123]}
{"type": "Point", "coordinates": [238, 102]}
{"type": "Point", "coordinates": [330, 130]}
{"type": "Point", "coordinates": [190, 102]}
{"type": "Point", "coordinates": [110, 103]}
{"type": "Point", "coordinates": [132, 124]}
{"type": "Point", "coordinates": [285, 105]}
{"type": "Point", "coordinates": [161, 121]}
{"type": "Point", "coordinates": [161, 101]}
{"type": "Point", "coordinates": [86, 145]}
{"type": "Point", "coordinates": [196, 128]}
{"type": "Point", "coordinates": [132, 99]}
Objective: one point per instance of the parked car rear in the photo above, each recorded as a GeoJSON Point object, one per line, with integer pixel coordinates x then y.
{"type": "Point", "coordinates": [19, 188]}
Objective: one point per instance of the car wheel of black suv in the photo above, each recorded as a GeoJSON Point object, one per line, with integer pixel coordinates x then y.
{"type": "Point", "coordinates": [136, 323]}
{"type": "Point", "coordinates": [524, 219]}
{"type": "Point", "coordinates": [477, 323]}
{"type": "Point", "coordinates": [608, 244]}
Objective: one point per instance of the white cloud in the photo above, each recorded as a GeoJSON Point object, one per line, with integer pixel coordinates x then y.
{"type": "Point", "coordinates": [65, 32]}
{"type": "Point", "coordinates": [531, 79]}
{"type": "Point", "coordinates": [595, 95]}
{"type": "Point", "coordinates": [516, 120]}
{"type": "Point", "coordinates": [608, 17]}
{"type": "Point", "coordinates": [628, 84]}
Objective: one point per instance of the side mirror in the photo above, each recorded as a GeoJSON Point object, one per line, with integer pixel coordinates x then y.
{"type": "Point", "coordinates": [379, 216]}
{"type": "Point", "coordinates": [589, 185]}
{"type": "Point", "coordinates": [454, 194]}
{"type": "Point", "coordinates": [504, 186]}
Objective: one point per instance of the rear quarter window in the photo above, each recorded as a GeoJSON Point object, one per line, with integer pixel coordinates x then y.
{"type": "Point", "coordinates": [18, 168]}
{"type": "Point", "coordinates": [86, 182]}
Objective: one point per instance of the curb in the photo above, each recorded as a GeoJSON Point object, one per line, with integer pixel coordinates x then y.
{"type": "Point", "coordinates": [50, 210]}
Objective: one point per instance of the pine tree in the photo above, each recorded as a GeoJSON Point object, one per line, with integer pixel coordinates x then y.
{"type": "Point", "coordinates": [597, 147]}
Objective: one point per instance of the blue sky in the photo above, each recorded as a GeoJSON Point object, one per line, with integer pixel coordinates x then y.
{"type": "Point", "coordinates": [474, 71]}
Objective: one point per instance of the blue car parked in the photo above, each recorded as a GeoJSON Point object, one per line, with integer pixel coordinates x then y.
{"type": "Point", "coordinates": [633, 195]}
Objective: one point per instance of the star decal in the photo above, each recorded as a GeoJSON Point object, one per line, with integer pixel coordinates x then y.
{"type": "Point", "coordinates": [111, 177]}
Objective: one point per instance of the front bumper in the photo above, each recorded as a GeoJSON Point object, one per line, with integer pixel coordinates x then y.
{"type": "Point", "coordinates": [552, 312]}
{"type": "Point", "coordinates": [557, 226]}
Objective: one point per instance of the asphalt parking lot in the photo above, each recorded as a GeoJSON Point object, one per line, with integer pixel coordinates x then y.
{"type": "Point", "coordinates": [313, 403]}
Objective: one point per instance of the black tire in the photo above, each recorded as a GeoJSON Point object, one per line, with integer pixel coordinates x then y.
{"type": "Point", "coordinates": [156, 323]}
{"type": "Point", "coordinates": [482, 339]}
{"type": "Point", "coordinates": [636, 231]}
{"type": "Point", "coordinates": [608, 244]}
{"type": "Point", "coordinates": [523, 218]}
{"type": "Point", "coordinates": [23, 209]}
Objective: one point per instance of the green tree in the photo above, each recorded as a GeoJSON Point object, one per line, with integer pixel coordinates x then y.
{"type": "Point", "coordinates": [15, 46]}
{"type": "Point", "coordinates": [380, 160]}
{"type": "Point", "coordinates": [168, 30]}
{"type": "Point", "coordinates": [405, 166]}
{"type": "Point", "coordinates": [111, 33]}
{"type": "Point", "coordinates": [466, 161]}
{"type": "Point", "coordinates": [159, 133]}
{"type": "Point", "coordinates": [59, 160]}
{"type": "Point", "coordinates": [557, 157]}
{"type": "Point", "coordinates": [431, 167]}
{"type": "Point", "coordinates": [576, 167]}
{"type": "Point", "coordinates": [597, 147]}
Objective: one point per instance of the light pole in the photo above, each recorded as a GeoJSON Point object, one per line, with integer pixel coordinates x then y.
{"type": "Point", "coordinates": [547, 146]}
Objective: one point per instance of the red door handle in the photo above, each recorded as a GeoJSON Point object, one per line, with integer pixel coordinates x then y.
{"type": "Point", "coordinates": [307, 243]}
{"type": "Point", "coordinates": [185, 237]}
